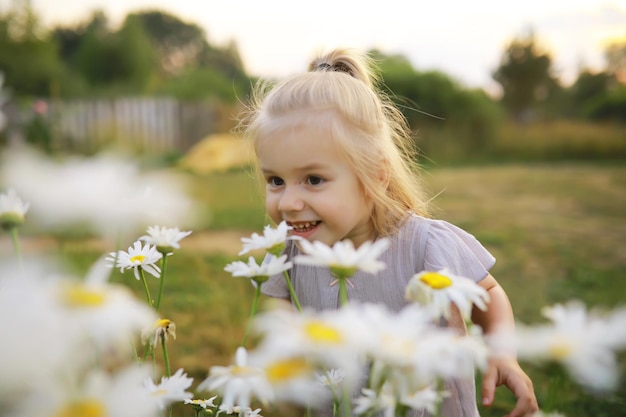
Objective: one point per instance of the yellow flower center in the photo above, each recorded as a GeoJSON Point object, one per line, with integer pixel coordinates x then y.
{"type": "Point", "coordinates": [243, 370]}
{"type": "Point", "coordinates": [287, 369]}
{"type": "Point", "coordinates": [138, 258]}
{"type": "Point", "coordinates": [79, 296]}
{"type": "Point", "coordinates": [436, 280]}
{"type": "Point", "coordinates": [83, 408]}
{"type": "Point", "coordinates": [163, 323]}
{"type": "Point", "coordinates": [320, 332]}
{"type": "Point", "coordinates": [560, 349]}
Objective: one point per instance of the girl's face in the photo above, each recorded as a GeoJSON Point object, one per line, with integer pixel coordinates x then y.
{"type": "Point", "coordinates": [312, 187]}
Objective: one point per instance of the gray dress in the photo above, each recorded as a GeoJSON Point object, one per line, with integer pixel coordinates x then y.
{"type": "Point", "coordinates": [421, 244]}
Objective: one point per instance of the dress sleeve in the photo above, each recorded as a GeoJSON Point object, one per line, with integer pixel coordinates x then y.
{"type": "Point", "coordinates": [450, 247]}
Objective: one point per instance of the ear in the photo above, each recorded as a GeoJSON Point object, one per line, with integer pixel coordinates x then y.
{"type": "Point", "coordinates": [383, 173]}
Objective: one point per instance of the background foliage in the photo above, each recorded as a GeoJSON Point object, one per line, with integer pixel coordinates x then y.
{"type": "Point", "coordinates": [154, 53]}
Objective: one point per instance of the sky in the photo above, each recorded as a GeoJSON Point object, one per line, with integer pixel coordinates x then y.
{"type": "Point", "coordinates": [464, 39]}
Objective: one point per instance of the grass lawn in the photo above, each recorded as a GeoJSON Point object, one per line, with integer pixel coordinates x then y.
{"type": "Point", "coordinates": [558, 232]}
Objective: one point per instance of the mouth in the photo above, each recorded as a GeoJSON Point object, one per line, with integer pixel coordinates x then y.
{"type": "Point", "coordinates": [303, 227]}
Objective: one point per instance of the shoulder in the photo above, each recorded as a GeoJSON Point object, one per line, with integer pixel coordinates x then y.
{"type": "Point", "coordinates": [447, 246]}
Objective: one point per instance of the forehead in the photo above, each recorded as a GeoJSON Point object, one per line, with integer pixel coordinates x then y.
{"type": "Point", "coordinates": [303, 140]}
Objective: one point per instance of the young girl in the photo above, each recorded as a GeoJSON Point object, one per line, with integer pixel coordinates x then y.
{"type": "Point", "coordinates": [335, 155]}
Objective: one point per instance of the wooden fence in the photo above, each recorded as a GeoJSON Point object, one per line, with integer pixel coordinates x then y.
{"type": "Point", "coordinates": [154, 124]}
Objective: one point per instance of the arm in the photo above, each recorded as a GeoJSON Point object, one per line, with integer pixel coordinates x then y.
{"type": "Point", "coordinates": [503, 368]}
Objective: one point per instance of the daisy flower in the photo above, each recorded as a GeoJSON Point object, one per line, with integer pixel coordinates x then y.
{"type": "Point", "coordinates": [12, 209]}
{"type": "Point", "coordinates": [343, 259]}
{"type": "Point", "coordinates": [203, 404]}
{"type": "Point", "coordinates": [271, 265]}
{"type": "Point", "coordinates": [583, 342]}
{"type": "Point", "coordinates": [238, 383]}
{"type": "Point", "coordinates": [170, 389]}
{"type": "Point", "coordinates": [272, 241]}
{"type": "Point", "coordinates": [137, 256]}
{"type": "Point", "coordinates": [164, 238]}
{"type": "Point", "coordinates": [240, 411]}
{"type": "Point", "coordinates": [437, 290]}
{"type": "Point", "coordinates": [163, 328]}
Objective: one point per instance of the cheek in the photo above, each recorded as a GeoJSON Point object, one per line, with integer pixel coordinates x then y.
{"type": "Point", "coordinates": [271, 203]}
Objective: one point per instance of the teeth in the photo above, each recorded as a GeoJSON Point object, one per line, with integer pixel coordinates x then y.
{"type": "Point", "coordinates": [303, 225]}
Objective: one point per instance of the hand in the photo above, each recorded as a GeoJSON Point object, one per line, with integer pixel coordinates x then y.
{"type": "Point", "coordinates": [506, 371]}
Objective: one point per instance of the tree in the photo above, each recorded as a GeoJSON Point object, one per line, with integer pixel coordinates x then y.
{"type": "Point", "coordinates": [615, 55]}
{"type": "Point", "coordinates": [433, 102]}
{"type": "Point", "coordinates": [28, 59]}
{"type": "Point", "coordinates": [123, 59]}
{"type": "Point", "coordinates": [179, 44]}
{"type": "Point", "coordinates": [525, 77]}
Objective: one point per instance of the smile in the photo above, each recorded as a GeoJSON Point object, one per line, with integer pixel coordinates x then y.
{"type": "Point", "coordinates": [304, 226]}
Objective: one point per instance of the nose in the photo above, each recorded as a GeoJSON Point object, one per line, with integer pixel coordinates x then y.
{"type": "Point", "coordinates": [290, 200]}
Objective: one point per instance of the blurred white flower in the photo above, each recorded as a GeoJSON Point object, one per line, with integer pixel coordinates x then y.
{"type": "Point", "coordinates": [137, 256]}
{"type": "Point", "coordinates": [104, 316]}
{"type": "Point", "coordinates": [33, 319]}
{"type": "Point", "coordinates": [164, 238]}
{"type": "Point", "coordinates": [584, 342]}
{"type": "Point", "coordinates": [272, 241]}
{"type": "Point", "coordinates": [426, 398]}
{"type": "Point", "coordinates": [239, 383]}
{"type": "Point", "coordinates": [170, 389]}
{"type": "Point", "coordinates": [293, 379]}
{"type": "Point", "coordinates": [331, 378]}
{"type": "Point", "coordinates": [12, 209]}
{"type": "Point", "coordinates": [100, 393]}
{"type": "Point", "coordinates": [372, 401]}
{"type": "Point", "coordinates": [106, 192]}
{"type": "Point", "coordinates": [343, 259]}
{"type": "Point", "coordinates": [331, 338]}
{"type": "Point", "coordinates": [271, 265]}
{"type": "Point", "coordinates": [437, 290]}
{"type": "Point", "coordinates": [386, 400]}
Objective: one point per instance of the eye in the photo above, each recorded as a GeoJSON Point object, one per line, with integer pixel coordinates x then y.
{"type": "Point", "coordinates": [275, 181]}
{"type": "Point", "coordinates": [314, 180]}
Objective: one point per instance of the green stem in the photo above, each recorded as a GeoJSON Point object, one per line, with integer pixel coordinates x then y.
{"type": "Point", "coordinates": [292, 292]}
{"type": "Point", "coordinates": [343, 292]}
{"type": "Point", "coordinates": [135, 355]}
{"type": "Point", "coordinates": [145, 286]}
{"type": "Point", "coordinates": [162, 283]}
{"type": "Point", "coordinates": [402, 410]}
{"type": "Point", "coordinates": [346, 407]}
{"type": "Point", "coordinates": [16, 243]}
{"type": "Point", "coordinates": [255, 301]}
{"type": "Point", "coordinates": [166, 358]}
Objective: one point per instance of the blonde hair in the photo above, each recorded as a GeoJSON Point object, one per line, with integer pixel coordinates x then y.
{"type": "Point", "coordinates": [370, 131]}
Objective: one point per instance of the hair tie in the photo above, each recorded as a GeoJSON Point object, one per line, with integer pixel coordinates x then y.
{"type": "Point", "coordinates": [338, 67]}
